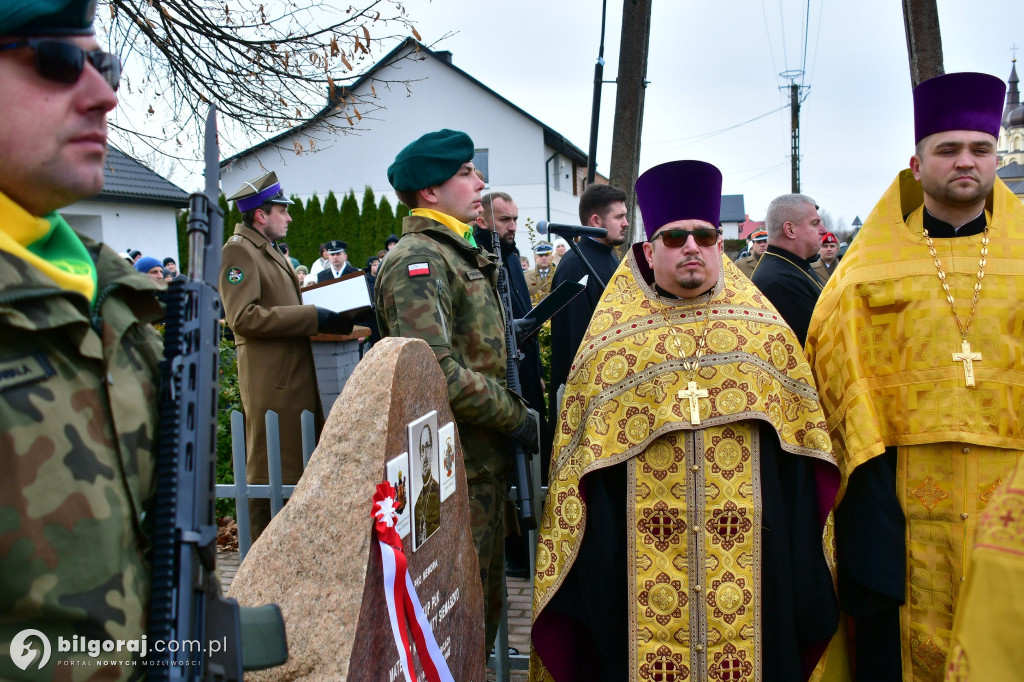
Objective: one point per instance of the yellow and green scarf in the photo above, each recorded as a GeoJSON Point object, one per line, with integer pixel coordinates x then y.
{"type": "Point", "coordinates": [48, 244]}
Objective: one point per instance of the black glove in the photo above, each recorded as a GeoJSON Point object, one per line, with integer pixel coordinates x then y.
{"type": "Point", "coordinates": [527, 434]}
{"type": "Point", "coordinates": [330, 322]}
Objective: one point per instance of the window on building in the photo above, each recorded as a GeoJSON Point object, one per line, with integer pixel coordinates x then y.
{"type": "Point", "coordinates": [480, 161]}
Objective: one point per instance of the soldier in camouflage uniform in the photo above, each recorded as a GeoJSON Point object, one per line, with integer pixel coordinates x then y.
{"type": "Point", "coordinates": [78, 365]}
{"type": "Point", "coordinates": [437, 286]}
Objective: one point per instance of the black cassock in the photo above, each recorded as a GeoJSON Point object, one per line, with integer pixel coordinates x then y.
{"type": "Point", "coordinates": [569, 326]}
{"type": "Point", "coordinates": [799, 607]}
{"type": "Point", "coordinates": [792, 286]}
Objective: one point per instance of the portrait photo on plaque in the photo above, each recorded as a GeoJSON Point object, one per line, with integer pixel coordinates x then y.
{"type": "Point", "coordinates": [398, 477]}
{"type": "Point", "coordinates": [446, 442]}
{"type": "Point", "coordinates": [425, 475]}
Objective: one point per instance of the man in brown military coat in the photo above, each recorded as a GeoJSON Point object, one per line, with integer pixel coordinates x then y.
{"type": "Point", "coordinates": [260, 291]}
{"type": "Point", "coordinates": [758, 245]}
{"type": "Point", "coordinates": [539, 279]}
{"type": "Point", "coordinates": [827, 257]}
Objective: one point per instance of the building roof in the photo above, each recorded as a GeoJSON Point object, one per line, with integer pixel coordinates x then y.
{"type": "Point", "coordinates": [732, 209]}
{"type": "Point", "coordinates": [1012, 95]}
{"type": "Point", "coordinates": [749, 227]}
{"type": "Point", "coordinates": [127, 180]}
{"type": "Point", "coordinates": [1011, 171]}
{"type": "Point", "coordinates": [552, 138]}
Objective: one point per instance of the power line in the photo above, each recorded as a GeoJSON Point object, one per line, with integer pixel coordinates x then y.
{"type": "Point", "coordinates": [817, 36]}
{"type": "Point", "coordinates": [768, 33]}
{"type": "Point", "coordinates": [807, 23]}
{"type": "Point", "coordinates": [775, 167]}
{"type": "Point", "coordinates": [693, 139]}
{"type": "Point", "coordinates": [782, 28]}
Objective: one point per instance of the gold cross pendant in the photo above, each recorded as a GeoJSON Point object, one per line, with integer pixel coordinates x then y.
{"type": "Point", "coordinates": [691, 393]}
{"type": "Point", "coordinates": [968, 358]}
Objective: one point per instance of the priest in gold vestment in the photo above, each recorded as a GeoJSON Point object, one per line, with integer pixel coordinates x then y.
{"type": "Point", "coordinates": [987, 632]}
{"type": "Point", "coordinates": [916, 348]}
{"type": "Point", "coordinates": [685, 534]}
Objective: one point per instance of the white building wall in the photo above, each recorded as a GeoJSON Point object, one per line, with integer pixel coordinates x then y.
{"type": "Point", "coordinates": [150, 229]}
{"type": "Point", "coordinates": [438, 97]}
{"type": "Point", "coordinates": [730, 230]}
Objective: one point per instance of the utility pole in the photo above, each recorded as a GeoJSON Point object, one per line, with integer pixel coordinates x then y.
{"type": "Point", "coordinates": [629, 102]}
{"type": "Point", "coordinates": [924, 42]}
{"type": "Point", "coordinates": [794, 114]}
{"type": "Point", "coordinates": [595, 112]}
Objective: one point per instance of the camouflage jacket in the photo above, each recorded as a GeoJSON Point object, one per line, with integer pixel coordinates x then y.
{"type": "Point", "coordinates": [78, 414]}
{"type": "Point", "coordinates": [435, 286]}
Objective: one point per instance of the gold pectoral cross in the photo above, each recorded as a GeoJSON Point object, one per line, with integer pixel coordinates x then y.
{"type": "Point", "coordinates": [691, 393]}
{"type": "Point", "coordinates": [968, 358]}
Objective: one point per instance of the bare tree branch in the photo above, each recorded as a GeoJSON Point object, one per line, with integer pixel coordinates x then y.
{"type": "Point", "coordinates": [267, 64]}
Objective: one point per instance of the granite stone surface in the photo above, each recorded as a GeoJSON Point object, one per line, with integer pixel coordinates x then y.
{"type": "Point", "coordinates": [318, 559]}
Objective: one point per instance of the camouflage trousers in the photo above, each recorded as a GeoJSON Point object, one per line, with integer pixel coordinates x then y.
{"type": "Point", "coordinates": [486, 518]}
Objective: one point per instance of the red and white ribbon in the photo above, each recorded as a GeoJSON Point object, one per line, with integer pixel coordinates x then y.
{"type": "Point", "coordinates": [400, 594]}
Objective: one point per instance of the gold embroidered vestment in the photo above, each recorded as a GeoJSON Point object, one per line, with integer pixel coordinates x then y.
{"type": "Point", "coordinates": [881, 343]}
{"type": "Point", "coordinates": [986, 635]}
{"type": "Point", "coordinates": [693, 495]}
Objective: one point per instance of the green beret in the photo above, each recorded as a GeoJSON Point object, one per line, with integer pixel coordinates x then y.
{"type": "Point", "coordinates": [430, 160]}
{"type": "Point", "coordinates": [46, 17]}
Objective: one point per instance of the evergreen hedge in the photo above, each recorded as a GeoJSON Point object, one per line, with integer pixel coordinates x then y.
{"type": "Point", "coordinates": [363, 227]}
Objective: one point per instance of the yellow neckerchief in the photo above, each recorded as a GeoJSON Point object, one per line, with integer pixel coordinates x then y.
{"type": "Point", "coordinates": [456, 226]}
{"type": "Point", "coordinates": [49, 245]}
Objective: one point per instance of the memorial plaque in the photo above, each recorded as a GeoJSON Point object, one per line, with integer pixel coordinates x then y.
{"type": "Point", "coordinates": [424, 485]}
{"type": "Point", "coordinates": [398, 477]}
{"type": "Point", "coordinates": [446, 441]}
{"type": "Point", "coordinates": [318, 559]}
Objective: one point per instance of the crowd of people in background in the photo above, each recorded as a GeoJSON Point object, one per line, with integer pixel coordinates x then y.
{"type": "Point", "coordinates": [160, 271]}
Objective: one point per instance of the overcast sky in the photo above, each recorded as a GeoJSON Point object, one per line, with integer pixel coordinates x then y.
{"type": "Point", "coordinates": [713, 65]}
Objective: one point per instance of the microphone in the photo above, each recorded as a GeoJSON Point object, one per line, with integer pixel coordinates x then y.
{"type": "Point", "coordinates": [570, 231]}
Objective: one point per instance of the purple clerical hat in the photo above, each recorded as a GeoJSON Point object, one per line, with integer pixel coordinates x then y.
{"type": "Point", "coordinates": [679, 190]}
{"type": "Point", "coordinates": [958, 101]}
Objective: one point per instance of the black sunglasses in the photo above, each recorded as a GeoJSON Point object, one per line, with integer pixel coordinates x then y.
{"type": "Point", "coordinates": [62, 62]}
{"type": "Point", "coordinates": [704, 236]}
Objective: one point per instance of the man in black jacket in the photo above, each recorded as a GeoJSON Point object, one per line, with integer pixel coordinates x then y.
{"type": "Point", "coordinates": [600, 206]}
{"type": "Point", "coordinates": [785, 274]}
{"type": "Point", "coordinates": [337, 254]}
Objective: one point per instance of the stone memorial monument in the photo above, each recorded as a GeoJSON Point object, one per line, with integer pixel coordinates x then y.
{"type": "Point", "coordinates": [319, 560]}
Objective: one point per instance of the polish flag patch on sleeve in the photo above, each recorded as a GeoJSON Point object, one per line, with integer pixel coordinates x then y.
{"type": "Point", "coordinates": [417, 269]}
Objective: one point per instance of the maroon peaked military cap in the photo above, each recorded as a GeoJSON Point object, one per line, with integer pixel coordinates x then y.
{"type": "Point", "coordinates": [679, 190]}
{"type": "Point", "coordinates": [958, 101]}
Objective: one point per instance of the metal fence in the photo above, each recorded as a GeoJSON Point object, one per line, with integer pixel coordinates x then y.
{"type": "Point", "coordinates": [241, 491]}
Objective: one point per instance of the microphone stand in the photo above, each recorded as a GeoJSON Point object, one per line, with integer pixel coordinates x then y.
{"type": "Point", "coordinates": [590, 268]}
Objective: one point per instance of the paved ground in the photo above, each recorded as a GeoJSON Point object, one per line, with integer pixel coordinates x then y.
{"type": "Point", "coordinates": [519, 605]}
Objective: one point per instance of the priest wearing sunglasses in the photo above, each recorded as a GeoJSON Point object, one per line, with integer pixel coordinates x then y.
{"type": "Point", "coordinates": [692, 474]}
{"type": "Point", "coordinates": [78, 361]}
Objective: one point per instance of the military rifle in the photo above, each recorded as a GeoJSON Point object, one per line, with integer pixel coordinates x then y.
{"type": "Point", "coordinates": [524, 477]}
{"type": "Point", "coordinates": [194, 632]}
